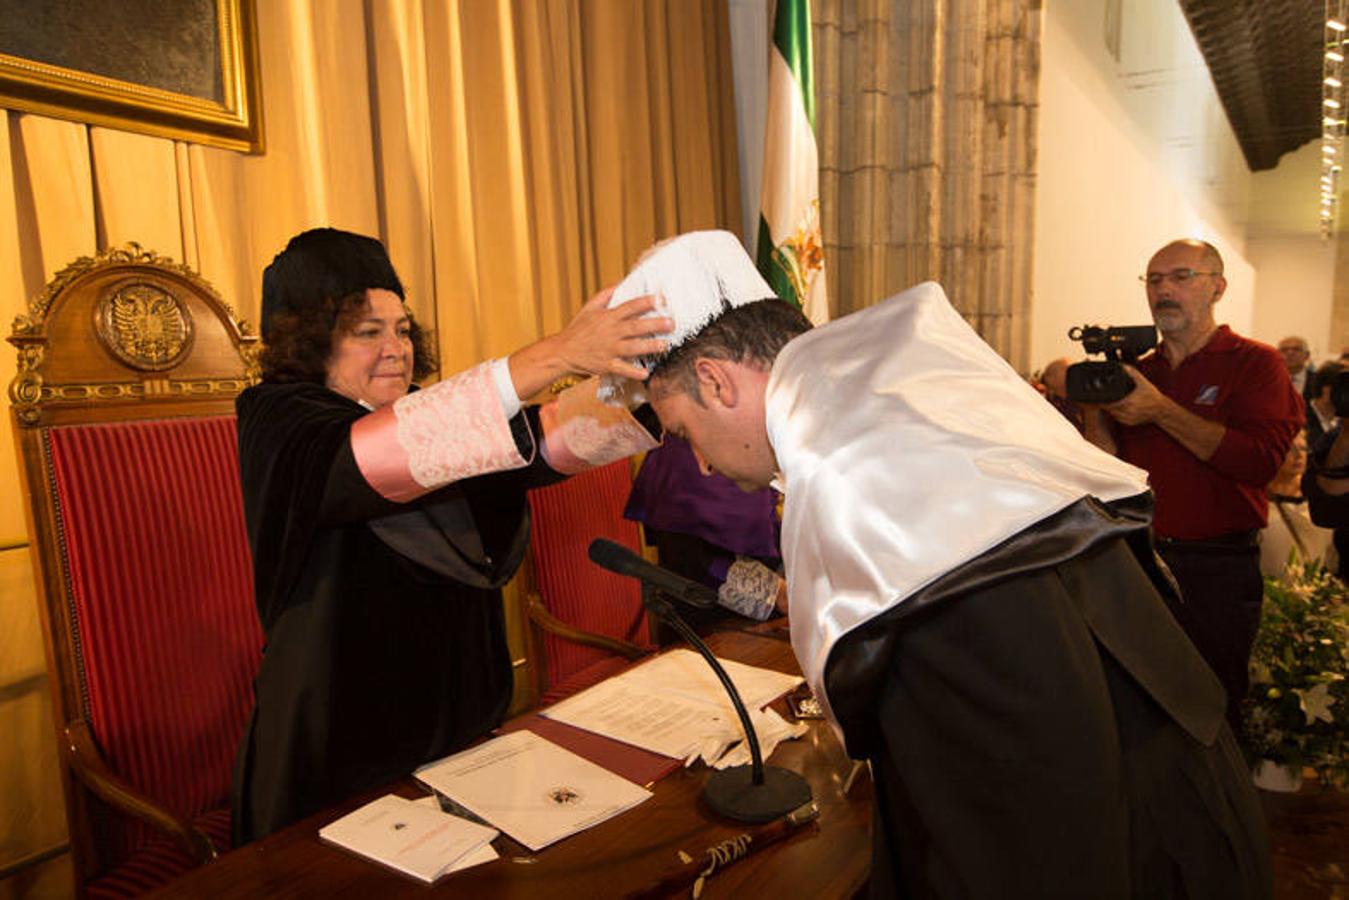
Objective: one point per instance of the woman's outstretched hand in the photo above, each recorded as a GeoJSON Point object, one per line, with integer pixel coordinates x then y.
{"type": "Point", "coordinates": [601, 341]}
{"type": "Point", "coordinates": [597, 341]}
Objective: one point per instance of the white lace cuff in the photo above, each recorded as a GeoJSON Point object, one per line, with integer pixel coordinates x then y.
{"type": "Point", "coordinates": [750, 589]}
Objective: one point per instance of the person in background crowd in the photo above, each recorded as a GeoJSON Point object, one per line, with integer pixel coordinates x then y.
{"type": "Point", "coordinates": [1290, 527]}
{"type": "Point", "coordinates": [1326, 485]}
{"type": "Point", "coordinates": [1321, 416]}
{"type": "Point", "coordinates": [1211, 417]}
{"type": "Point", "coordinates": [1297, 357]}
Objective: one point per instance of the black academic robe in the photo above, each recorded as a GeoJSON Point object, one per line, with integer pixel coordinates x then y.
{"type": "Point", "coordinates": [1038, 725]}
{"type": "Point", "coordinates": [374, 663]}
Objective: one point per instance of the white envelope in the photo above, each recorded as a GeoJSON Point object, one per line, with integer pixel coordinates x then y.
{"type": "Point", "coordinates": [409, 837]}
{"type": "Point", "coordinates": [530, 788]}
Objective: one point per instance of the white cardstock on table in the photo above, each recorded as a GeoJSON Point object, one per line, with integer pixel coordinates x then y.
{"type": "Point", "coordinates": [411, 838]}
{"type": "Point", "coordinates": [530, 788]}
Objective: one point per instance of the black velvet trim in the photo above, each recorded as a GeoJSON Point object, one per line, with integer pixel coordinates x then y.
{"type": "Point", "coordinates": [858, 661]}
{"type": "Point", "coordinates": [520, 432]}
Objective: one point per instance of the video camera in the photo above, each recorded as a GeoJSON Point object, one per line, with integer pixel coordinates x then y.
{"type": "Point", "coordinates": [1106, 382]}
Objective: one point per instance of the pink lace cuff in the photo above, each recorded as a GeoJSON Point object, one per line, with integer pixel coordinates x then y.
{"type": "Point", "coordinates": [580, 431]}
{"type": "Point", "coordinates": [452, 430]}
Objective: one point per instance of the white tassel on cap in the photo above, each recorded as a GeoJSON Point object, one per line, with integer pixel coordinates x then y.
{"type": "Point", "coordinates": [695, 275]}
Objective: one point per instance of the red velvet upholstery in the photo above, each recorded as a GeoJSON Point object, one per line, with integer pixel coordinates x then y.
{"type": "Point", "coordinates": [566, 518]}
{"type": "Point", "coordinates": [158, 861]}
{"type": "Point", "coordinates": [160, 577]}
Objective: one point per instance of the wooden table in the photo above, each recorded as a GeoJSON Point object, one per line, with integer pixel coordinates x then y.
{"type": "Point", "coordinates": [827, 859]}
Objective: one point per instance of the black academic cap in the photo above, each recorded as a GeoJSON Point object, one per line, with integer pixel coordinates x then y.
{"type": "Point", "coordinates": [324, 264]}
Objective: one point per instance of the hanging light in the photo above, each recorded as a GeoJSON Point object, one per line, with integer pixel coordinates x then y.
{"type": "Point", "coordinates": [1334, 43]}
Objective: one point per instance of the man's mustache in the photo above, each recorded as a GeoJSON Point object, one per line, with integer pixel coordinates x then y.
{"type": "Point", "coordinates": [1167, 304]}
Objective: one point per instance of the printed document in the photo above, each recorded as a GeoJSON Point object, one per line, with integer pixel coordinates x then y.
{"type": "Point", "coordinates": [673, 704]}
{"type": "Point", "coordinates": [530, 788]}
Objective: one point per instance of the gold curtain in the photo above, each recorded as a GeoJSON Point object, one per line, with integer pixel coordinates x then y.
{"type": "Point", "coordinates": [514, 156]}
{"type": "Point", "coordinates": [927, 133]}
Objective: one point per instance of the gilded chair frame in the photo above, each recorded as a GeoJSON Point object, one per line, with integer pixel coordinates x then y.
{"type": "Point", "coordinates": [163, 345]}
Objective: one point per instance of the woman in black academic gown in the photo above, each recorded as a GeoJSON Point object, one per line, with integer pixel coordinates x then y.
{"type": "Point", "coordinates": [383, 523]}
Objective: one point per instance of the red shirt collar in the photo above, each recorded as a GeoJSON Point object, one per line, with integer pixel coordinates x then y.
{"type": "Point", "coordinates": [1221, 341]}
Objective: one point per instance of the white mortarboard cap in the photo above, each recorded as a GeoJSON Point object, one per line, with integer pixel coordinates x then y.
{"type": "Point", "coordinates": [697, 275]}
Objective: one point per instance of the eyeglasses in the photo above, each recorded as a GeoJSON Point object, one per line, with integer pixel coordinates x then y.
{"type": "Point", "coordinates": [1180, 277]}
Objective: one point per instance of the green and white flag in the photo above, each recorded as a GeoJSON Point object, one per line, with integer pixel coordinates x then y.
{"type": "Point", "coordinates": [790, 251]}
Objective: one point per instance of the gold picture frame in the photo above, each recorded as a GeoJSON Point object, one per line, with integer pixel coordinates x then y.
{"type": "Point", "coordinates": [227, 113]}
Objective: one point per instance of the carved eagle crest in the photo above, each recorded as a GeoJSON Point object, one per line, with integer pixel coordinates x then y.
{"type": "Point", "coordinates": [144, 326]}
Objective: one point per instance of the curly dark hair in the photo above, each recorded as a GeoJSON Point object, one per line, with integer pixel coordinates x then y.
{"type": "Point", "coordinates": [316, 288]}
{"type": "Point", "coordinates": [754, 332]}
{"type": "Point", "coordinates": [297, 347]}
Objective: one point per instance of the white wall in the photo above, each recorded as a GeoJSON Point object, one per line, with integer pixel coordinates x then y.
{"type": "Point", "coordinates": [1295, 268]}
{"type": "Point", "coordinates": [1132, 153]}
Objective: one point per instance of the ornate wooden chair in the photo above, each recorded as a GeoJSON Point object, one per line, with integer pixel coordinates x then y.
{"type": "Point", "coordinates": [123, 408]}
{"type": "Point", "coordinates": [590, 622]}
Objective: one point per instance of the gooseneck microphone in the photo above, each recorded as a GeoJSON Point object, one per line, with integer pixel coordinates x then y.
{"type": "Point", "coordinates": [619, 559]}
{"type": "Point", "coordinates": [752, 793]}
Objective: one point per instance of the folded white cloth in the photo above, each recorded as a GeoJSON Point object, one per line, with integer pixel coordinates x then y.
{"type": "Point", "coordinates": [716, 749]}
{"type": "Point", "coordinates": [772, 730]}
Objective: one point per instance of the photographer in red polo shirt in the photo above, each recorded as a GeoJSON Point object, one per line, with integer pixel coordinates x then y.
{"type": "Point", "coordinates": [1211, 417]}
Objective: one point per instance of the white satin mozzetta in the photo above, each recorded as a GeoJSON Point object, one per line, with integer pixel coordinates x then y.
{"type": "Point", "coordinates": [907, 447]}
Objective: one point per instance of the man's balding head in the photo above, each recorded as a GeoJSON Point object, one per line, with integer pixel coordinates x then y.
{"type": "Point", "coordinates": [1184, 280]}
{"type": "Point", "coordinates": [1054, 377]}
{"type": "Point", "coordinates": [1208, 259]}
{"type": "Point", "coordinates": [1295, 353]}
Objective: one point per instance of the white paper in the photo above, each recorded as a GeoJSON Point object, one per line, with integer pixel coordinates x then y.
{"type": "Point", "coordinates": [530, 788]}
{"type": "Point", "coordinates": [484, 854]}
{"type": "Point", "coordinates": [685, 672]}
{"type": "Point", "coordinates": [668, 724]}
{"type": "Point", "coordinates": [673, 705]}
{"type": "Point", "coordinates": [407, 836]}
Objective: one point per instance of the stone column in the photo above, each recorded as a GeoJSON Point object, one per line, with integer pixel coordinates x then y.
{"type": "Point", "coordinates": [927, 129]}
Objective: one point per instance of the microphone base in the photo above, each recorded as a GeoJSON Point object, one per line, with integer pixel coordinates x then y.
{"type": "Point", "coordinates": [732, 793]}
